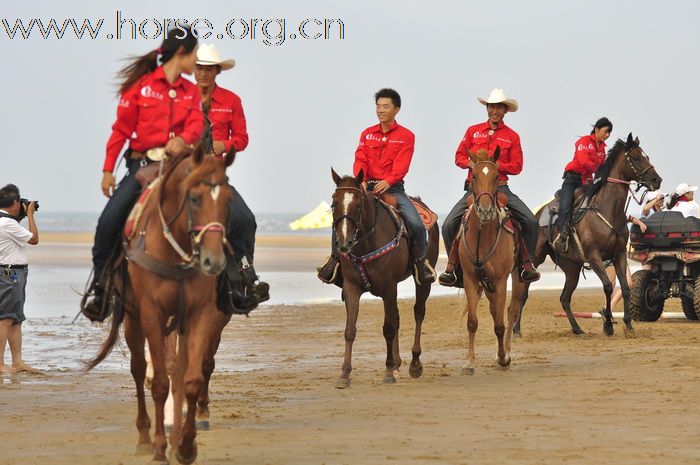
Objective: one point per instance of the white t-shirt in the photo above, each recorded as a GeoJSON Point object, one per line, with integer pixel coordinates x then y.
{"type": "Point", "coordinates": [13, 242]}
{"type": "Point", "coordinates": [687, 208]}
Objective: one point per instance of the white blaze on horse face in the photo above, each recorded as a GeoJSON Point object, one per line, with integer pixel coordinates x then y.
{"type": "Point", "coordinates": [215, 192]}
{"type": "Point", "coordinates": [485, 170]}
{"type": "Point", "coordinates": [347, 200]}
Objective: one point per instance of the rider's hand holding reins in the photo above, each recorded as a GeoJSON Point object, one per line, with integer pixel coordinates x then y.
{"type": "Point", "coordinates": [108, 183]}
{"type": "Point", "coordinates": [381, 187]}
{"type": "Point", "coordinates": [219, 147]}
{"type": "Point", "coordinates": [176, 146]}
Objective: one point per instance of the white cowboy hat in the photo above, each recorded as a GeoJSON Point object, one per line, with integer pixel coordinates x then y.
{"type": "Point", "coordinates": [499, 96]}
{"type": "Point", "coordinates": [683, 188]}
{"type": "Point", "coordinates": [208, 55]}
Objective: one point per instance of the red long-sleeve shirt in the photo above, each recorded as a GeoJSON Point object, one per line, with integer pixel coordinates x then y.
{"type": "Point", "coordinates": [481, 136]}
{"type": "Point", "coordinates": [153, 111]}
{"type": "Point", "coordinates": [588, 156]}
{"type": "Point", "coordinates": [384, 155]}
{"type": "Point", "coordinates": [228, 123]}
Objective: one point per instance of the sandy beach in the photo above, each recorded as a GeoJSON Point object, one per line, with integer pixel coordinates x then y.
{"type": "Point", "coordinates": [566, 399]}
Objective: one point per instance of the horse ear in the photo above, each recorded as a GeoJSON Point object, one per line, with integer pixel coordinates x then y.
{"type": "Point", "coordinates": [636, 141]}
{"type": "Point", "coordinates": [496, 154]}
{"type": "Point", "coordinates": [230, 156]}
{"type": "Point", "coordinates": [630, 141]}
{"type": "Point", "coordinates": [198, 153]}
{"type": "Point", "coordinates": [360, 176]}
{"type": "Point", "coordinates": [336, 178]}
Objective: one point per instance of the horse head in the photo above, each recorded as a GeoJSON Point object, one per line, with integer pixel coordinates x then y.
{"type": "Point", "coordinates": [637, 165]}
{"type": "Point", "coordinates": [485, 183]}
{"type": "Point", "coordinates": [348, 206]}
{"type": "Point", "coordinates": [203, 193]}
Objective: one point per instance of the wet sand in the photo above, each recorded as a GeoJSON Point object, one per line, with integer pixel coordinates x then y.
{"type": "Point", "coordinates": [566, 399]}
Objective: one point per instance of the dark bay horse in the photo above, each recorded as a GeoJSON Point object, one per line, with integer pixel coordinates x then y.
{"type": "Point", "coordinates": [602, 231]}
{"type": "Point", "coordinates": [169, 285]}
{"type": "Point", "coordinates": [488, 252]}
{"type": "Point", "coordinates": [364, 227]}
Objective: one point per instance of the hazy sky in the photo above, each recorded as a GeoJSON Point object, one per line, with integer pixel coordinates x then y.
{"type": "Point", "coordinates": [566, 62]}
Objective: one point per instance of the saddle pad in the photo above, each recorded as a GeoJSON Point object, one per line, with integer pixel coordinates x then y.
{"type": "Point", "coordinates": [137, 211]}
{"type": "Point", "coordinates": [428, 216]}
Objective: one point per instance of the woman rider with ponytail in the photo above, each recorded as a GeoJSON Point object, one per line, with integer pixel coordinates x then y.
{"type": "Point", "coordinates": [158, 109]}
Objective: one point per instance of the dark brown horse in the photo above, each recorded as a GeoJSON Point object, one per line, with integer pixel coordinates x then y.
{"type": "Point", "coordinates": [601, 234]}
{"type": "Point", "coordinates": [170, 285]}
{"type": "Point", "coordinates": [488, 252]}
{"type": "Point", "coordinates": [364, 227]}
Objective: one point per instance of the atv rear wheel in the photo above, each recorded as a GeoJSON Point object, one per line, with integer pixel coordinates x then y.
{"type": "Point", "coordinates": [643, 305]}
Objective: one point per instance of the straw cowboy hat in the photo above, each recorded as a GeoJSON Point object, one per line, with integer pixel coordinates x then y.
{"type": "Point", "coordinates": [684, 188]}
{"type": "Point", "coordinates": [499, 96]}
{"type": "Point", "coordinates": [208, 55]}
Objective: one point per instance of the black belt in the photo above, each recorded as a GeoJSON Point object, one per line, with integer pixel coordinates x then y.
{"type": "Point", "coordinates": [572, 175]}
{"type": "Point", "coordinates": [14, 267]}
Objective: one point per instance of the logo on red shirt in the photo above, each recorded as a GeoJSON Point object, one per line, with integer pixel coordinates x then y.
{"type": "Point", "coordinates": [146, 91]}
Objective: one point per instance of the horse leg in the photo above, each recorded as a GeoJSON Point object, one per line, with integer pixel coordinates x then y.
{"type": "Point", "coordinates": [513, 309]}
{"type": "Point", "coordinates": [621, 270]}
{"type": "Point", "coordinates": [203, 401]}
{"type": "Point", "coordinates": [597, 266]}
{"type": "Point", "coordinates": [572, 271]}
{"type": "Point", "coordinates": [537, 260]}
{"type": "Point", "coordinates": [472, 325]}
{"type": "Point", "coordinates": [422, 294]}
{"type": "Point", "coordinates": [352, 309]}
{"type": "Point", "coordinates": [160, 387]}
{"type": "Point", "coordinates": [391, 334]}
{"type": "Point", "coordinates": [497, 304]}
{"type": "Point", "coordinates": [171, 420]}
{"type": "Point", "coordinates": [135, 340]}
{"type": "Point", "coordinates": [191, 356]}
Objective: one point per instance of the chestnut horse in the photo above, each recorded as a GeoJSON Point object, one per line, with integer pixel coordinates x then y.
{"type": "Point", "coordinates": [365, 228]}
{"type": "Point", "coordinates": [488, 253]}
{"type": "Point", "coordinates": [602, 231]}
{"type": "Point", "coordinates": [170, 285]}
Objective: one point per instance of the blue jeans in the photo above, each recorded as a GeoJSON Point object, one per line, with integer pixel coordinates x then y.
{"type": "Point", "coordinates": [410, 215]}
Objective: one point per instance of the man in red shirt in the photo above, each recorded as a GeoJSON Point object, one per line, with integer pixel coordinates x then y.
{"type": "Point", "coordinates": [227, 131]}
{"type": "Point", "coordinates": [489, 135]}
{"type": "Point", "coordinates": [384, 155]}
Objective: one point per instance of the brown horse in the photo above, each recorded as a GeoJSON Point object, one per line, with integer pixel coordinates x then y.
{"type": "Point", "coordinates": [364, 228]}
{"type": "Point", "coordinates": [601, 234]}
{"type": "Point", "coordinates": [170, 285]}
{"type": "Point", "coordinates": [488, 252]}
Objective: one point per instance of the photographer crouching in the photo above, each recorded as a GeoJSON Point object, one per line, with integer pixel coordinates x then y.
{"type": "Point", "coordinates": [13, 273]}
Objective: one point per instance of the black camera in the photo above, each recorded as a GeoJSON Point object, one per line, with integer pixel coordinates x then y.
{"type": "Point", "coordinates": [24, 204]}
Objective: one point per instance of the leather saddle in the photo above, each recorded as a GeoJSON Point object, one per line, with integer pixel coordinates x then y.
{"type": "Point", "coordinates": [428, 216]}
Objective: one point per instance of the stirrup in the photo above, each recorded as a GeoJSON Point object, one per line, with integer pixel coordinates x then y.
{"type": "Point", "coordinates": [325, 274]}
{"type": "Point", "coordinates": [420, 277]}
{"type": "Point", "coordinates": [448, 279]}
{"type": "Point", "coordinates": [561, 244]}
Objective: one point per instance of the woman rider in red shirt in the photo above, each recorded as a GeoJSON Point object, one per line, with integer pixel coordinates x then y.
{"type": "Point", "coordinates": [589, 154]}
{"type": "Point", "coordinates": [158, 109]}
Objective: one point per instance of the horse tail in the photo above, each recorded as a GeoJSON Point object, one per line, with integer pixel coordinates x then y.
{"type": "Point", "coordinates": [117, 320]}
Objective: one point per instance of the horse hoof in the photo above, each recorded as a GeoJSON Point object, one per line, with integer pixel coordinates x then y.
{"type": "Point", "coordinates": [468, 371]}
{"type": "Point", "coordinates": [517, 335]}
{"type": "Point", "coordinates": [608, 329]}
{"type": "Point", "coordinates": [202, 425]}
{"type": "Point", "coordinates": [415, 371]}
{"type": "Point", "coordinates": [578, 332]}
{"type": "Point", "coordinates": [503, 365]}
{"type": "Point", "coordinates": [183, 460]}
{"type": "Point", "coordinates": [389, 379]}
{"type": "Point", "coordinates": [144, 449]}
{"type": "Point", "coordinates": [630, 333]}
{"type": "Point", "coordinates": [342, 383]}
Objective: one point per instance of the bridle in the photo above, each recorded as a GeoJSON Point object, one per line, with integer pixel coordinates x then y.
{"type": "Point", "coordinates": [196, 232]}
{"type": "Point", "coordinates": [638, 171]}
{"type": "Point", "coordinates": [485, 215]}
{"type": "Point", "coordinates": [356, 222]}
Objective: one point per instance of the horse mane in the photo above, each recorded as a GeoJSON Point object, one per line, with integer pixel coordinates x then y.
{"type": "Point", "coordinates": [603, 171]}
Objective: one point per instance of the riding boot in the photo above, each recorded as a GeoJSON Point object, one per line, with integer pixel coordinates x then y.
{"type": "Point", "coordinates": [561, 242]}
{"type": "Point", "coordinates": [528, 272]}
{"type": "Point", "coordinates": [449, 277]}
{"type": "Point", "coordinates": [95, 310]}
{"type": "Point", "coordinates": [258, 288]}
{"type": "Point", "coordinates": [330, 272]}
{"type": "Point", "coordinates": [423, 272]}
